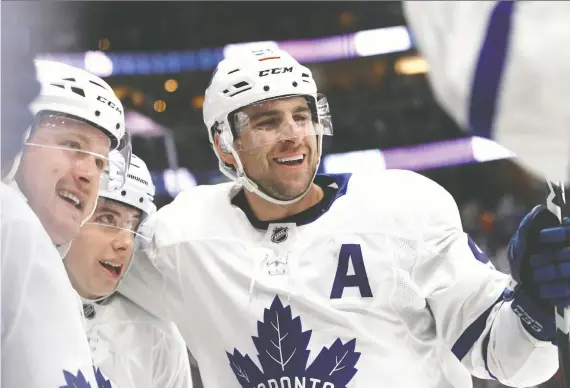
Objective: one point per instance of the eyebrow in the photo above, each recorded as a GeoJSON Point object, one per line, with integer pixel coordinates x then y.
{"type": "Point", "coordinates": [109, 209]}
{"type": "Point", "coordinates": [275, 112]}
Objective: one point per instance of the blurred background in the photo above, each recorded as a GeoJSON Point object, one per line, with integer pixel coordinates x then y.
{"type": "Point", "coordinates": [158, 57]}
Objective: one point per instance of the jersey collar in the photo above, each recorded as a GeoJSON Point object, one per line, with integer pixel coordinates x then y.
{"type": "Point", "coordinates": [334, 186]}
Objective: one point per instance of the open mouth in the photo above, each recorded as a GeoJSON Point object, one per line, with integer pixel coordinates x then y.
{"type": "Point", "coordinates": [290, 160]}
{"type": "Point", "coordinates": [113, 269]}
{"type": "Point", "coordinates": [70, 198]}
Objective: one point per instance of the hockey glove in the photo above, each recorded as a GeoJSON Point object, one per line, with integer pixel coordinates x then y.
{"type": "Point", "coordinates": [539, 256]}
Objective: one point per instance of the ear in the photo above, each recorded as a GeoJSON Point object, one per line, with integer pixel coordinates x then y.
{"type": "Point", "coordinates": [225, 155]}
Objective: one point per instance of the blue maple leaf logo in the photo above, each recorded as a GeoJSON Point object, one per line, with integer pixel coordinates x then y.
{"type": "Point", "coordinates": [79, 380]}
{"type": "Point", "coordinates": [75, 381]}
{"type": "Point", "coordinates": [282, 352]}
{"type": "Point", "coordinates": [102, 382]}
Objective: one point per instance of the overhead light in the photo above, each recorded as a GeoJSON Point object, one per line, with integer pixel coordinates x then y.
{"type": "Point", "coordinates": [104, 44]}
{"type": "Point", "coordinates": [411, 65]}
{"type": "Point", "coordinates": [346, 18]}
{"type": "Point", "coordinates": [171, 85]}
{"type": "Point", "coordinates": [137, 98]}
{"type": "Point", "coordinates": [198, 102]}
{"type": "Point", "coordinates": [159, 106]}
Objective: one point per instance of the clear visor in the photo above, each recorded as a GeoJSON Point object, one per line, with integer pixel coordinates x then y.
{"type": "Point", "coordinates": [120, 238]}
{"type": "Point", "coordinates": [271, 121]}
{"type": "Point", "coordinates": [83, 148]}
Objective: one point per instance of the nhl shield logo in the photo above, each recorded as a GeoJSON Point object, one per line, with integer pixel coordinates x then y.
{"type": "Point", "coordinates": [89, 311]}
{"type": "Point", "coordinates": [279, 234]}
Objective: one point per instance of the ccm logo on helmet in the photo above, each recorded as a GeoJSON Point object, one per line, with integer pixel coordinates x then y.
{"type": "Point", "coordinates": [277, 70]}
{"type": "Point", "coordinates": [110, 103]}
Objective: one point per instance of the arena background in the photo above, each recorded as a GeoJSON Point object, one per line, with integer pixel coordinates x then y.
{"type": "Point", "coordinates": [158, 57]}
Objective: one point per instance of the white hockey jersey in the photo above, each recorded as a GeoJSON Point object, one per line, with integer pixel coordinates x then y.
{"type": "Point", "coordinates": [43, 337]}
{"type": "Point", "coordinates": [374, 286]}
{"type": "Point", "coordinates": [134, 349]}
{"type": "Point", "coordinates": [500, 69]}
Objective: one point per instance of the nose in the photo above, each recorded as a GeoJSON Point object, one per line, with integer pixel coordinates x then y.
{"type": "Point", "coordinates": [123, 241]}
{"type": "Point", "coordinates": [87, 168]}
{"type": "Point", "coordinates": [292, 131]}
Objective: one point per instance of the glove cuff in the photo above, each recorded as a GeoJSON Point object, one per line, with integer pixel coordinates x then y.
{"type": "Point", "coordinates": [535, 320]}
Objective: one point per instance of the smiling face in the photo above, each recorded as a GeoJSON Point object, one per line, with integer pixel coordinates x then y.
{"type": "Point", "coordinates": [278, 146]}
{"type": "Point", "coordinates": [61, 184]}
{"type": "Point", "coordinates": [102, 251]}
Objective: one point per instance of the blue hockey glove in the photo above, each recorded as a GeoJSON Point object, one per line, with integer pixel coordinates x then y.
{"type": "Point", "coordinates": [539, 256]}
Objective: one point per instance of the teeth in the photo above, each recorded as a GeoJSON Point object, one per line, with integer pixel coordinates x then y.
{"type": "Point", "coordinates": [112, 264]}
{"type": "Point", "coordinates": [68, 195]}
{"type": "Point", "coordinates": [290, 159]}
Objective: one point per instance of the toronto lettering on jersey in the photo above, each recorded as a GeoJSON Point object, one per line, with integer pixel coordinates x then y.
{"type": "Point", "coordinates": [298, 382]}
{"type": "Point", "coordinates": [282, 351]}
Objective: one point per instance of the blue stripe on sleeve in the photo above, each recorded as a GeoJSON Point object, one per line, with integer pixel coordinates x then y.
{"type": "Point", "coordinates": [466, 341]}
{"type": "Point", "coordinates": [489, 70]}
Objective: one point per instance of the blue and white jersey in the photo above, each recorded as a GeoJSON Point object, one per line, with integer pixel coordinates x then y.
{"type": "Point", "coordinates": [134, 349]}
{"type": "Point", "coordinates": [500, 69]}
{"type": "Point", "coordinates": [43, 337]}
{"type": "Point", "coordinates": [376, 283]}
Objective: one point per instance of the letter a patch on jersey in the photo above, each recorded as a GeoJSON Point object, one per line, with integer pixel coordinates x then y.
{"type": "Point", "coordinates": [282, 351]}
{"type": "Point", "coordinates": [350, 253]}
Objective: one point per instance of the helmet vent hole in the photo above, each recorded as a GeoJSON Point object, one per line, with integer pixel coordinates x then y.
{"type": "Point", "coordinates": [58, 85]}
{"type": "Point", "coordinates": [233, 71]}
{"type": "Point", "coordinates": [123, 193]}
{"type": "Point", "coordinates": [305, 75]}
{"type": "Point", "coordinates": [241, 84]}
{"type": "Point", "coordinates": [118, 126]}
{"type": "Point", "coordinates": [78, 91]}
{"type": "Point", "coordinates": [306, 81]}
{"type": "Point", "coordinates": [69, 79]}
{"type": "Point", "coordinates": [97, 113]}
{"type": "Point", "coordinates": [295, 84]}
{"type": "Point", "coordinates": [266, 88]}
{"type": "Point", "coordinates": [226, 91]}
{"type": "Point", "coordinates": [95, 83]}
{"type": "Point", "coordinates": [141, 199]}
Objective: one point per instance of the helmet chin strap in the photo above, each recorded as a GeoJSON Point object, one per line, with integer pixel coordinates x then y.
{"type": "Point", "coordinates": [242, 179]}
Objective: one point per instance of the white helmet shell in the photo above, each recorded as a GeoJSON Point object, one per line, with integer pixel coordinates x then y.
{"type": "Point", "coordinates": [138, 190]}
{"type": "Point", "coordinates": [253, 76]}
{"type": "Point", "coordinates": [75, 92]}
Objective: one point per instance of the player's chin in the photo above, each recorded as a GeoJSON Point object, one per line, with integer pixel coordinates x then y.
{"type": "Point", "coordinates": [63, 230]}
{"type": "Point", "coordinates": [289, 190]}
{"type": "Point", "coordinates": [106, 289]}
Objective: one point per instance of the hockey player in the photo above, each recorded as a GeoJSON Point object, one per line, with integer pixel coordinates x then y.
{"type": "Point", "coordinates": [132, 348]}
{"type": "Point", "coordinates": [497, 68]}
{"type": "Point", "coordinates": [50, 189]}
{"type": "Point", "coordinates": [286, 278]}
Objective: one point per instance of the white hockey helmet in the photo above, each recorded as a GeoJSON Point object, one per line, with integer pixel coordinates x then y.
{"type": "Point", "coordinates": [250, 77]}
{"type": "Point", "coordinates": [138, 193]}
{"type": "Point", "coordinates": [138, 190]}
{"type": "Point", "coordinates": [70, 94]}
{"type": "Point", "coordinates": [75, 92]}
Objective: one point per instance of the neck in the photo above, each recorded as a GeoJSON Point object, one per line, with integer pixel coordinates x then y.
{"type": "Point", "coordinates": [268, 211]}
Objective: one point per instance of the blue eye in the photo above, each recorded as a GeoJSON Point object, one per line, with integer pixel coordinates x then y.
{"type": "Point", "coordinates": [73, 144]}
